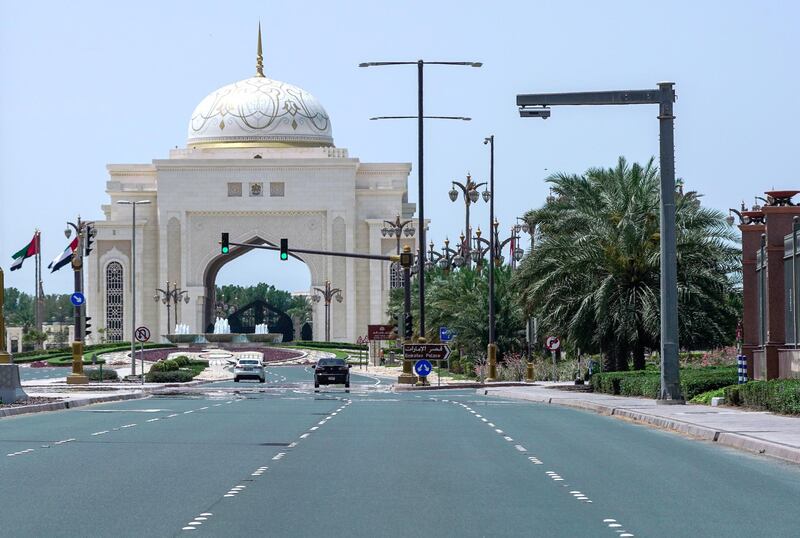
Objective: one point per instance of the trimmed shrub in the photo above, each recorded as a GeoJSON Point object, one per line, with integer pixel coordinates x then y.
{"type": "Point", "coordinates": [182, 361]}
{"type": "Point", "coordinates": [777, 395]}
{"type": "Point", "coordinates": [647, 383]}
{"type": "Point", "coordinates": [108, 374]}
{"type": "Point", "coordinates": [165, 366]}
{"type": "Point", "coordinates": [173, 376]}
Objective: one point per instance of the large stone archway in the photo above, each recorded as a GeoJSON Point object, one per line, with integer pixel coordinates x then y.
{"type": "Point", "coordinates": [213, 269]}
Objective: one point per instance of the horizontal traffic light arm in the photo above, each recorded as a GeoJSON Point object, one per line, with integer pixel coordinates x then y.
{"type": "Point", "coordinates": [391, 258]}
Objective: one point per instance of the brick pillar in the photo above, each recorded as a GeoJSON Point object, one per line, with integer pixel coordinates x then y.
{"type": "Point", "coordinates": [751, 242]}
{"type": "Point", "coordinates": [779, 224]}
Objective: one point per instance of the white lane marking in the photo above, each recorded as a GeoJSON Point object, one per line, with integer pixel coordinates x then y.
{"type": "Point", "coordinates": [321, 422]}
{"type": "Point", "coordinates": [521, 448]}
{"type": "Point", "coordinates": [100, 433]}
{"type": "Point", "coordinates": [172, 415]}
{"type": "Point", "coordinates": [304, 435]}
{"type": "Point", "coordinates": [229, 495]}
{"type": "Point", "coordinates": [491, 425]}
{"type": "Point", "coordinates": [483, 419]}
{"type": "Point", "coordinates": [200, 518]}
{"type": "Point", "coordinates": [609, 521]}
{"type": "Point", "coordinates": [206, 514]}
{"type": "Point", "coordinates": [614, 525]}
{"type": "Point", "coordinates": [478, 416]}
{"type": "Point", "coordinates": [507, 438]}
{"type": "Point", "coordinates": [189, 411]}
{"type": "Point", "coordinates": [128, 426]}
{"type": "Point", "coordinates": [292, 445]}
{"type": "Point", "coordinates": [334, 414]}
{"type": "Point", "coordinates": [64, 441]}
{"type": "Point", "coordinates": [217, 405]}
{"type": "Point", "coordinates": [153, 419]}
{"type": "Point", "coordinates": [499, 431]}
{"type": "Point", "coordinates": [279, 455]}
{"type": "Point", "coordinates": [188, 529]}
{"type": "Point", "coordinates": [203, 408]}
{"type": "Point", "coordinates": [314, 428]}
{"type": "Point", "coordinates": [624, 533]}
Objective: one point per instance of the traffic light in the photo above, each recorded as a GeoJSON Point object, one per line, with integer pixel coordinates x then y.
{"type": "Point", "coordinates": [284, 249]}
{"type": "Point", "coordinates": [224, 246]}
{"type": "Point", "coordinates": [406, 259]}
{"type": "Point", "coordinates": [86, 326]}
{"type": "Point", "coordinates": [407, 326]}
{"type": "Point", "coordinates": [91, 233]}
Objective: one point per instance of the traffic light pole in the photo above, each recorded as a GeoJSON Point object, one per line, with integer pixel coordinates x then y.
{"type": "Point", "coordinates": [77, 376]}
{"type": "Point", "coordinates": [407, 377]}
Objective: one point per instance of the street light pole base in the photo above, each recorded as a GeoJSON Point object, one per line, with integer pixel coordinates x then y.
{"type": "Point", "coordinates": [491, 355]}
{"type": "Point", "coordinates": [407, 377]}
{"type": "Point", "coordinates": [77, 377]}
{"type": "Point", "coordinates": [529, 373]}
{"type": "Point", "coordinates": [423, 382]}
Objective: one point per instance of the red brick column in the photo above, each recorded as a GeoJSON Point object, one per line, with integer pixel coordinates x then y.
{"type": "Point", "coordinates": [751, 242]}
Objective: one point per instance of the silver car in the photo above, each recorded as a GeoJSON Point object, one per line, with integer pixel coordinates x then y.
{"type": "Point", "coordinates": [249, 369]}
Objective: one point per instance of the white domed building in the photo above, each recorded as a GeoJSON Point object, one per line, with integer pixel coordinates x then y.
{"type": "Point", "coordinates": [259, 163]}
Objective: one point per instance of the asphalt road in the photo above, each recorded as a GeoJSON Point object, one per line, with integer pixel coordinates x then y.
{"type": "Point", "coordinates": [245, 459]}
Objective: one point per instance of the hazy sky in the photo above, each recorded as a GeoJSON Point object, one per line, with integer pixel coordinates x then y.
{"type": "Point", "coordinates": [90, 83]}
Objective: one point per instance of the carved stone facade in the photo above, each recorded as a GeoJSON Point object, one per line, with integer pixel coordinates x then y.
{"type": "Point", "coordinates": [330, 202]}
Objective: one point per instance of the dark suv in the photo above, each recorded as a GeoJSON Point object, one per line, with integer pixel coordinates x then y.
{"type": "Point", "coordinates": [331, 372]}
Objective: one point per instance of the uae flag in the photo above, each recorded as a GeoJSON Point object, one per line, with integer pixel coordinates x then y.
{"type": "Point", "coordinates": [31, 249]}
{"type": "Point", "coordinates": [64, 258]}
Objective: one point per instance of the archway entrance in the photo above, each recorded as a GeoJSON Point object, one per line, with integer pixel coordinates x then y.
{"type": "Point", "coordinates": [237, 289]}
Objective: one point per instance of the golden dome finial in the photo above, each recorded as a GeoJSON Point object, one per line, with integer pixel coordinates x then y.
{"type": "Point", "coordinates": [259, 55]}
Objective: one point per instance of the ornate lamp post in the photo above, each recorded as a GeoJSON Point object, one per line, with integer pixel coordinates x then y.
{"type": "Point", "coordinates": [328, 293]}
{"type": "Point", "coordinates": [397, 229]}
{"type": "Point", "coordinates": [77, 377]}
{"type": "Point", "coordinates": [447, 259]}
{"type": "Point", "coordinates": [469, 192]}
{"type": "Point", "coordinates": [169, 297]}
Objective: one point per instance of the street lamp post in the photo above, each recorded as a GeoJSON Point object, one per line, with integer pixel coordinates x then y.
{"type": "Point", "coordinates": [420, 117]}
{"type": "Point", "coordinates": [328, 293]}
{"type": "Point", "coordinates": [469, 191]}
{"type": "Point", "coordinates": [133, 205]}
{"type": "Point", "coordinates": [537, 105]}
{"type": "Point", "coordinates": [491, 352]}
{"type": "Point", "coordinates": [397, 229]}
{"type": "Point", "coordinates": [169, 297]}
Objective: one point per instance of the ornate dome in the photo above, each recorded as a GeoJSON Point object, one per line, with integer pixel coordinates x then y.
{"type": "Point", "coordinates": [259, 111]}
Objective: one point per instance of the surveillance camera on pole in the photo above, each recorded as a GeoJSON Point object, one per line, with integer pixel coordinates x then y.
{"type": "Point", "coordinates": [534, 112]}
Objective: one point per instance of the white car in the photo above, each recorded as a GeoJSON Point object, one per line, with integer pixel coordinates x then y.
{"type": "Point", "coordinates": [249, 368]}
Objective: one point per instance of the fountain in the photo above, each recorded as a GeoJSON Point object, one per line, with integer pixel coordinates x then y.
{"type": "Point", "coordinates": [181, 335]}
{"type": "Point", "coordinates": [222, 332]}
{"type": "Point", "coordinates": [262, 335]}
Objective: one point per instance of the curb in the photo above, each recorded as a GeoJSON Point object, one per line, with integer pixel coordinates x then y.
{"type": "Point", "coordinates": [468, 385]}
{"type": "Point", "coordinates": [729, 439]}
{"type": "Point", "coordinates": [68, 404]}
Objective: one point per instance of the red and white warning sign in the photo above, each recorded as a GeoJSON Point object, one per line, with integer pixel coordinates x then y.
{"type": "Point", "coordinates": [552, 343]}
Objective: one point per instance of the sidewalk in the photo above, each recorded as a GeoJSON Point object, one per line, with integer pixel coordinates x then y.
{"type": "Point", "coordinates": [760, 432]}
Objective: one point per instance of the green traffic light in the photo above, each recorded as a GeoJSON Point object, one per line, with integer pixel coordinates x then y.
{"type": "Point", "coordinates": [284, 256]}
{"type": "Point", "coordinates": [224, 250]}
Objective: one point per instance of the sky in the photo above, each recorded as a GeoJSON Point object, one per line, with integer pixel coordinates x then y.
{"type": "Point", "coordinates": [85, 84]}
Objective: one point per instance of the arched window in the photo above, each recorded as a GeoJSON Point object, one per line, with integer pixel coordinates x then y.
{"type": "Point", "coordinates": [395, 276]}
{"type": "Point", "coordinates": [114, 293]}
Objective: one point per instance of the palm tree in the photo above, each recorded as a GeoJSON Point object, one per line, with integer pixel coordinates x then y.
{"type": "Point", "coordinates": [594, 276]}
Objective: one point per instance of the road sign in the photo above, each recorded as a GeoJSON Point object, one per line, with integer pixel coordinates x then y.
{"type": "Point", "coordinates": [77, 298]}
{"type": "Point", "coordinates": [381, 332]}
{"type": "Point", "coordinates": [142, 334]}
{"type": "Point", "coordinates": [430, 352]}
{"type": "Point", "coordinates": [553, 343]}
{"type": "Point", "coordinates": [445, 334]}
{"type": "Point", "coordinates": [423, 368]}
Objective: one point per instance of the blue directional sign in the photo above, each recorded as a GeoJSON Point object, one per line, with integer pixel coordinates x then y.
{"type": "Point", "coordinates": [423, 368]}
{"type": "Point", "coordinates": [445, 334]}
{"type": "Point", "coordinates": [77, 298]}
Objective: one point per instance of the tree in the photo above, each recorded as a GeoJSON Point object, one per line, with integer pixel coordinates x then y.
{"type": "Point", "coordinates": [594, 274]}
{"type": "Point", "coordinates": [459, 300]}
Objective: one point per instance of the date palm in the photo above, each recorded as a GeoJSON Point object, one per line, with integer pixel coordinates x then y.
{"type": "Point", "coordinates": [594, 275]}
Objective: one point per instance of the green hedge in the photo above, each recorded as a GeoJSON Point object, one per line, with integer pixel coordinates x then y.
{"type": "Point", "coordinates": [325, 345]}
{"type": "Point", "coordinates": [109, 374]}
{"type": "Point", "coordinates": [647, 383]}
{"type": "Point", "coordinates": [174, 376]}
{"type": "Point", "coordinates": [66, 360]}
{"type": "Point", "coordinates": [60, 353]}
{"type": "Point", "coordinates": [777, 395]}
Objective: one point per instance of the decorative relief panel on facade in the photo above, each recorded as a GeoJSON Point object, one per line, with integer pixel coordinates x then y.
{"type": "Point", "coordinates": [234, 189]}
{"type": "Point", "coordinates": [277, 188]}
{"type": "Point", "coordinates": [256, 189]}
{"type": "Point", "coordinates": [114, 304]}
